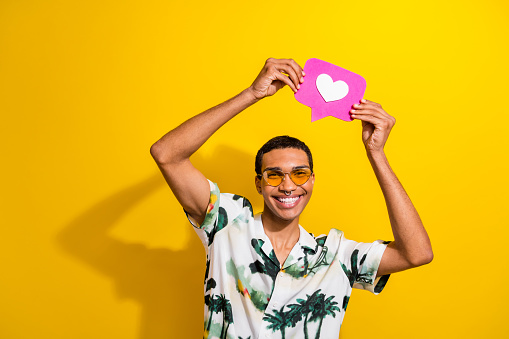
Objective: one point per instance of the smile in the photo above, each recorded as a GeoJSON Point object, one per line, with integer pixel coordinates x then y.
{"type": "Point", "coordinates": [288, 202]}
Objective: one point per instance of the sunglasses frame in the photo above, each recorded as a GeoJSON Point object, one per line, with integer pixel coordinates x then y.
{"type": "Point", "coordinates": [284, 176]}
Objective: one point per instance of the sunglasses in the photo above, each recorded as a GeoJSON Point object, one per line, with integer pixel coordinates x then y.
{"type": "Point", "coordinates": [274, 178]}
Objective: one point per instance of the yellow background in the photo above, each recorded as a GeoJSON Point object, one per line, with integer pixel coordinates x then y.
{"type": "Point", "coordinates": [93, 243]}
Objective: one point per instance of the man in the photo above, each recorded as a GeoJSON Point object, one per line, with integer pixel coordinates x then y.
{"type": "Point", "coordinates": [266, 276]}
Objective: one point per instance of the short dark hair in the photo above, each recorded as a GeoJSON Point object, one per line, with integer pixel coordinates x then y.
{"type": "Point", "coordinates": [281, 142]}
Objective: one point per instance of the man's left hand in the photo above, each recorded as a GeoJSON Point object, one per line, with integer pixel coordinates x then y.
{"type": "Point", "coordinates": [376, 124]}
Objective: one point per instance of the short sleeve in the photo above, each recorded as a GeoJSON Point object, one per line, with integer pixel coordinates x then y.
{"type": "Point", "coordinates": [360, 262]}
{"type": "Point", "coordinates": [212, 210]}
{"type": "Point", "coordinates": [221, 210]}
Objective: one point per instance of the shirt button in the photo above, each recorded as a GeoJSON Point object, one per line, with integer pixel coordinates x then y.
{"type": "Point", "coordinates": [281, 274]}
{"type": "Point", "coordinates": [275, 305]}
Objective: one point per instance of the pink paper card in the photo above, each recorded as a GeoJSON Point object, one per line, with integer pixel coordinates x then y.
{"type": "Point", "coordinates": [330, 90]}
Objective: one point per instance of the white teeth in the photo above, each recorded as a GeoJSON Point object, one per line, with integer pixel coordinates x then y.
{"type": "Point", "coordinates": [288, 200]}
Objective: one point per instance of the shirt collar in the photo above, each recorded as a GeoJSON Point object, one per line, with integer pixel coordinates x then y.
{"type": "Point", "coordinates": [306, 242]}
{"type": "Point", "coordinates": [258, 229]}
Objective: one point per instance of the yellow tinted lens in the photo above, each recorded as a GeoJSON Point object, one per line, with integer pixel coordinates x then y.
{"type": "Point", "coordinates": [300, 176]}
{"type": "Point", "coordinates": [273, 178]}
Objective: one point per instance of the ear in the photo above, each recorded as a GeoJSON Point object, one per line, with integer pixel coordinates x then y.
{"type": "Point", "coordinates": [312, 178]}
{"type": "Point", "coordinates": [258, 184]}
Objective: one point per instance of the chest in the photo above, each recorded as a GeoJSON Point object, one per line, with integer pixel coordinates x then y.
{"type": "Point", "coordinates": [282, 254]}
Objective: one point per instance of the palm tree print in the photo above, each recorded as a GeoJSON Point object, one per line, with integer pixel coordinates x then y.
{"type": "Point", "coordinates": [322, 261]}
{"type": "Point", "coordinates": [278, 321]}
{"type": "Point", "coordinates": [217, 304]}
{"type": "Point", "coordinates": [245, 202]}
{"type": "Point", "coordinates": [314, 308]}
{"type": "Point", "coordinates": [226, 308]}
{"type": "Point", "coordinates": [270, 265]}
{"type": "Point", "coordinates": [207, 267]}
{"type": "Point", "coordinates": [211, 283]}
{"type": "Point", "coordinates": [214, 305]}
{"type": "Point", "coordinates": [353, 274]}
{"type": "Point", "coordinates": [322, 308]}
{"type": "Point", "coordinates": [305, 308]}
{"type": "Point", "coordinates": [345, 302]}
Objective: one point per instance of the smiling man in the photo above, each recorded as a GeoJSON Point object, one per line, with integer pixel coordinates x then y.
{"type": "Point", "coordinates": [266, 277]}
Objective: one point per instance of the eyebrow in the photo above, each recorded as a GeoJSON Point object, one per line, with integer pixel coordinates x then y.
{"type": "Point", "coordinates": [279, 168]}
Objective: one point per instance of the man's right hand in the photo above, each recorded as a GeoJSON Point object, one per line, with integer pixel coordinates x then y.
{"type": "Point", "coordinates": [277, 73]}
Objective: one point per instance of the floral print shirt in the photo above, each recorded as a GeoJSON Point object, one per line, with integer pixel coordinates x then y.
{"type": "Point", "coordinates": [250, 294]}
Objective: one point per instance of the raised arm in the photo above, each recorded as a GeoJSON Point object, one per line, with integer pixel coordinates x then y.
{"type": "Point", "coordinates": [173, 150]}
{"type": "Point", "coordinates": [411, 246]}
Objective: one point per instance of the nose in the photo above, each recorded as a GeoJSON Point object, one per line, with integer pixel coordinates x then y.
{"type": "Point", "coordinates": [287, 184]}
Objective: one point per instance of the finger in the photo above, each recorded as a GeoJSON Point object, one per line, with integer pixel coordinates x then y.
{"type": "Point", "coordinates": [385, 121]}
{"type": "Point", "coordinates": [291, 72]}
{"type": "Point", "coordinates": [278, 84]}
{"type": "Point", "coordinates": [286, 80]}
{"type": "Point", "coordinates": [373, 107]}
{"type": "Point", "coordinates": [298, 69]}
{"type": "Point", "coordinates": [366, 101]}
{"type": "Point", "coordinates": [369, 104]}
{"type": "Point", "coordinates": [369, 111]}
{"type": "Point", "coordinates": [295, 66]}
{"type": "Point", "coordinates": [368, 118]}
{"type": "Point", "coordinates": [382, 124]}
{"type": "Point", "coordinates": [376, 111]}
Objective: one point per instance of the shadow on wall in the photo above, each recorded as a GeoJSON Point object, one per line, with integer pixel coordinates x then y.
{"type": "Point", "coordinates": [167, 284]}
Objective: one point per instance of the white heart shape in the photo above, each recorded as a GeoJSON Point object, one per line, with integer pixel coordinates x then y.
{"type": "Point", "coordinates": [329, 90]}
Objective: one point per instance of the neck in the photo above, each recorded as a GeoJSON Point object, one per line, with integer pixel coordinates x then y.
{"type": "Point", "coordinates": [282, 233]}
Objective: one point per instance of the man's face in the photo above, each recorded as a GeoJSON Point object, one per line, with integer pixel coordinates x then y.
{"type": "Point", "coordinates": [277, 203]}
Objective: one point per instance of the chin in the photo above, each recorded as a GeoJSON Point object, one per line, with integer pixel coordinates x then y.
{"type": "Point", "coordinates": [286, 214]}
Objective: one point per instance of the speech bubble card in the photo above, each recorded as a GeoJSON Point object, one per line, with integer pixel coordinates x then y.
{"type": "Point", "coordinates": [330, 90]}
